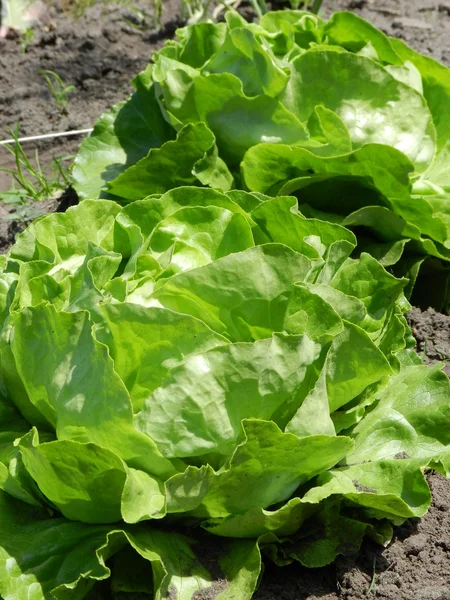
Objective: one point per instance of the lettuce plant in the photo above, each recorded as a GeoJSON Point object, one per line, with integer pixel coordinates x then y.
{"type": "Point", "coordinates": [195, 379]}
{"type": "Point", "coordinates": [351, 122]}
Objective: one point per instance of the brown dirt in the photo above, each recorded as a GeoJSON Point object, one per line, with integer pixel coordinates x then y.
{"type": "Point", "coordinates": [99, 54]}
{"type": "Point", "coordinates": [432, 332]}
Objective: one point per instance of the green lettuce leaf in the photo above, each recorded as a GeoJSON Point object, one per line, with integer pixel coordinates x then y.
{"type": "Point", "coordinates": [121, 137]}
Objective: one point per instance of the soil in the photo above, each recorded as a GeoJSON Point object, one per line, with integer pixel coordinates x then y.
{"type": "Point", "coordinates": [432, 332]}
{"type": "Point", "coordinates": [99, 54]}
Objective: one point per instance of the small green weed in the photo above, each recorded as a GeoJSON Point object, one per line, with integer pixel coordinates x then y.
{"type": "Point", "coordinates": [372, 582]}
{"type": "Point", "coordinates": [141, 19]}
{"type": "Point", "coordinates": [58, 88]}
{"type": "Point", "coordinates": [27, 38]}
{"type": "Point", "coordinates": [311, 5]}
{"type": "Point", "coordinates": [259, 6]}
{"type": "Point", "coordinates": [31, 184]}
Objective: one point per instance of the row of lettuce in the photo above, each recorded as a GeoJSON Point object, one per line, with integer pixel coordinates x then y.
{"type": "Point", "coordinates": [192, 375]}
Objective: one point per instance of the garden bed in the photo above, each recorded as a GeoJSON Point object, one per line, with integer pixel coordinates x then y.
{"type": "Point", "coordinates": [98, 54]}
